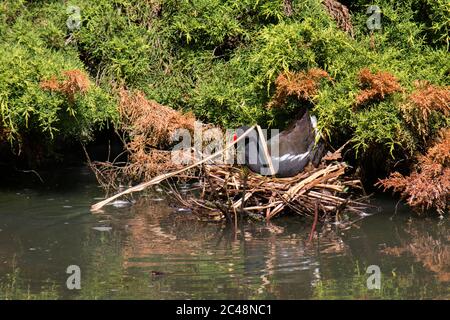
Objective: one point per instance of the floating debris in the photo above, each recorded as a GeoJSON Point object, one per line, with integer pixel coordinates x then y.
{"type": "Point", "coordinates": [102, 229]}
{"type": "Point", "coordinates": [121, 203]}
{"type": "Point", "coordinates": [183, 210]}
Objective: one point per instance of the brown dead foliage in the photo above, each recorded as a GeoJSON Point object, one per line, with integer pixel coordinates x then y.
{"type": "Point", "coordinates": [75, 81]}
{"type": "Point", "coordinates": [287, 7]}
{"type": "Point", "coordinates": [340, 14]}
{"type": "Point", "coordinates": [302, 85]}
{"type": "Point", "coordinates": [422, 102]}
{"type": "Point", "coordinates": [149, 122]}
{"type": "Point", "coordinates": [376, 86]}
{"type": "Point", "coordinates": [428, 186]}
{"type": "Point", "coordinates": [148, 128]}
{"type": "Point", "coordinates": [433, 252]}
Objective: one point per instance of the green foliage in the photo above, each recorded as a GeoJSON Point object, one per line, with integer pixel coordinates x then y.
{"type": "Point", "coordinates": [381, 125]}
{"type": "Point", "coordinates": [207, 22]}
{"type": "Point", "coordinates": [428, 20]}
{"type": "Point", "coordinates": [25, 107]}
{"type": "Point", "coordinates": [33, 50]}
{"type": "Point", "coordinates": [219, 59]}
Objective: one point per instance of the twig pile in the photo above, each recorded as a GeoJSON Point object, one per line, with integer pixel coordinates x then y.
{"type": "Point", "coordinates": [231, 190]}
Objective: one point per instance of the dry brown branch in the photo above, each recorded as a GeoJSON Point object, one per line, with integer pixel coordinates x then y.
{"type": "Point", "coordinates": [165, 176]}
{"type": "Point", "coordinates": [287, 7]}
{"type": "Point", "coordinates": [428, 186]}
{"type": "Point", "coordinates": [147, 128]}
{"type": "Point", "coordinates": [422, 103]}
{"type": "Point", "coordinates": [340, 14]}
{"type": "Point", "coordinates": [75, 82]}
{"type": "Point", "coordinates": [376, 86]}
{"type": "Point", "coordinates": [301, 85]}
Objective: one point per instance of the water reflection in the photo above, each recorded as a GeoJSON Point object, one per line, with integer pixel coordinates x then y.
{"type": "Point", "coordinates": [431, 248]}
{"type": "Point", "coordinates": [151, 250]}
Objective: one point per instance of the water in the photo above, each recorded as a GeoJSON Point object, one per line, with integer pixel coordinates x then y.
{"type": "Point", "coordinates": [152, 250]}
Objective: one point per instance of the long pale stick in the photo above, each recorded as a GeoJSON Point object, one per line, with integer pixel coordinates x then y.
{"type": "Point", "coordinates": [162, 177]}
{"type": "Point", "coordinates": [266, 151]}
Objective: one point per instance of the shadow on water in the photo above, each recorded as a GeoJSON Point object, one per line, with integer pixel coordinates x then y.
{"type": "Point", "coordinates": [152, 250]}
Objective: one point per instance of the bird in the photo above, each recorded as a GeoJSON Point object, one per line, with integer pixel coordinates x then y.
{"type": "Point", "coordinates": [290, 151]}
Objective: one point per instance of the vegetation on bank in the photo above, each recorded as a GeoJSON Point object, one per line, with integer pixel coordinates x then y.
{"type": "Point", "coordinates": [228, 62]}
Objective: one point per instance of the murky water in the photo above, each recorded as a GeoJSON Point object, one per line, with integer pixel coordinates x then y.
{"type": "Point", "coordinates": [151, 250]}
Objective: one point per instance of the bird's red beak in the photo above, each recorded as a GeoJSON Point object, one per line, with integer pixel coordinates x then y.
{"type": "Point", "coordinates": [234, 137]}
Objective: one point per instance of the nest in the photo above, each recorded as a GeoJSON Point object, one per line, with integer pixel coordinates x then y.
{"type": "Point", "coordinates": [226, 191]}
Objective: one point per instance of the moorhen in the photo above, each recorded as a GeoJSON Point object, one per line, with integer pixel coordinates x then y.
{"type": "Point", "coordinates": [296, 148]}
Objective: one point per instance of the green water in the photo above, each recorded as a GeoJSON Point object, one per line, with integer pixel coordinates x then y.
{"type": "Point", "coordinates": [151, 250]}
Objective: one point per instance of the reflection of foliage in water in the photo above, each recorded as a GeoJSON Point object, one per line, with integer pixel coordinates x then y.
{"type": "Point", "coordinates": [393, 286]}
{"type": "Point", "coordinates": [431, 249]}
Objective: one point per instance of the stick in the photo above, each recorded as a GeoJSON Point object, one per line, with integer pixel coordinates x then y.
{"type": "Point", "coordinates": [316, 217]}
{"type": "Point", "coordinates": [162, 177]}
{"type": "Point", "coordinates": [266, 151]}
{"type": "Point", "coordinates": [295, 190]}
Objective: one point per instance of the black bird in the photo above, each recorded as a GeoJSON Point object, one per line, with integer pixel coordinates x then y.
{"type": "Point", "coordinates": [296, 148]}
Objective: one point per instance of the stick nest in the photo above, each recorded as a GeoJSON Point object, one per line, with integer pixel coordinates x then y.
{"type": "Point", "coordinates": [225, 191]}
